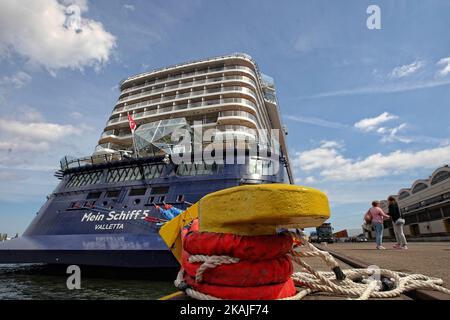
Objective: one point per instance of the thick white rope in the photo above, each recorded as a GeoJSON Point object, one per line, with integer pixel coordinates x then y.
{"type": "Point", "coordinates": [312, 281]}
{"type": "Point", "coordinates": [210, 262]}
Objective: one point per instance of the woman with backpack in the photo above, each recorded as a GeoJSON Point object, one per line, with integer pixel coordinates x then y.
{"type": "Point", "coordinates": [376, 215]}
{"type": "Point", "coordinates": [398, 223]}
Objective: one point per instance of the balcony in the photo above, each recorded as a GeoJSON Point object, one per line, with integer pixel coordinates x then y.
{"type": "Point", "coordinates": [166, 110]}
{"type": "Point", "coordinates": [111, 135]}
{"type": "Point", "coordinates": [196, 83]}
{"type": "Point", "coordinates": [185, 76]}
{"type": "Point", "coordinates": [187, 95]}
{"type": "Point", "coordinates": [237, 117]}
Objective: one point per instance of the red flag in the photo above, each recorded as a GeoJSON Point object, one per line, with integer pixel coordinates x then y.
{"type": "Point", "coordinates": [132, 123]}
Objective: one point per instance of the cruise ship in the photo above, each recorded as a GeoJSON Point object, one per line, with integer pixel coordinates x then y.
{"type": "Point", "coordinates": [105, 211]}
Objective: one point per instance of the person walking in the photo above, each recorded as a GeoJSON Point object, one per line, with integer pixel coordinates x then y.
{"type": "Point", "coordinates": [378, 216]}
{"type": "Point", "coordinates": [398, 223]}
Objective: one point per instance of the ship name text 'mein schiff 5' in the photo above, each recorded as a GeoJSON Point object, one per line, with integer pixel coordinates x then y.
{"type": "Point", "coordinates": [174, 135]}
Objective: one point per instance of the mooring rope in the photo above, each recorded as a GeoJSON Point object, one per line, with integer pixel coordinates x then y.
{"type": "Point", "coordinates": [359, 284]}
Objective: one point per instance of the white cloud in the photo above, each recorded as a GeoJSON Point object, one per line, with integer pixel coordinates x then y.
{"type": "Point", "coordinates": [309, 179]}
{"type": "Point", "coordinates": [317, 122]}
{"type": "Point", "coordinates": [17, 80]}
{"type": "Point", "coordinates": [406, 70]}
{"type": "Point", "coordinates": [30, 132]}
{"type": "Point", "coordinates": [129, 7]}
{"type": "Point", "coordinates": [37, 131]}
{"type": "Point", "coordinates": [82, 4]}
{"type": "Point", "coordinates": [76, 115]}
{"type": "Point", "coordinates": [384, 88]}
{"type": "Point", "coordinates": [391, 134]}
{"type": "Point", "coordinates": [29, 114]}
{"type": "Point", "coordinates": [330, 163]}
{"type": "Point", "coordinates": [53, 34]}
{"type": "Point", "coordinates": [388, 134]}
{"type": "Point", "coordinates": [372, 124]}
{"type": "Point", "coordinates": [327, 155]}
{"type": "Point", "coordinates": [445, 62]}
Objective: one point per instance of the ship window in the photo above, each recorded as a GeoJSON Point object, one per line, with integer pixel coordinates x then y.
{"type": "Point", "coordinates": [83, 179]}
{"type": "Point", "coordinates": [137, 192]}
{"type": "Point", "coordinates": [137, 201]}
{"type": "Point", "coordinates": [180, 198]}
{"type": "Point", "coordinates": [261, 167]}
{"type": "Point", "coordinates": [113, 193]}
{"type": "Point", "coordinates": [153, 171]}
{"type": "Point", "coordinates": [159, 190]}
{"type": "Point", "coordinates": [151, 200]}
{"type": "Point", "coordinates": [105, 203]}
{"type": "Point", "coordinates": [197, 169]}
{"type": "Point", "coordinates": [89, 204]}
{"type": "Point", "coordinates": [124, 174]}
{"type": "Point", "coordinates": [74, 205]}
{"type": "Point", "coordinates": [94, 195]}
{"type": "Point", "coordinates": [162, 198]}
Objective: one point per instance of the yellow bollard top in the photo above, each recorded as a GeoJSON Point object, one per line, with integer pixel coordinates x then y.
{"type": "Point", "coordinates": [261, 209]}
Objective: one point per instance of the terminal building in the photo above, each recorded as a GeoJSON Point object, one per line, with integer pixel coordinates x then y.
{"type": "Point", "coordinates": [425, 207]}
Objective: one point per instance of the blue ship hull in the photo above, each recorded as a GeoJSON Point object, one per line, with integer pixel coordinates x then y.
{"type": "Point", "coordinates": [103, 223]}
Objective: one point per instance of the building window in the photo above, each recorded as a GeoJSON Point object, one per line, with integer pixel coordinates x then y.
{"type": "Point", "coordinates": [433, 200]}
{"type": "Point", "coordinates": [403, 195]}
{"type": "Point", "coordinates": [419, 187]}
{"type": "Point", "coordinates": [446, 211]}
{"type": "Point", "coordinates": [435, 214]}
{"type": "Point", "coordinates": [440, 176]}
{"type": "Point", "coordinates": [423, 216]}
{"type": "Point", "coordinates": [410, 218]}
{"type": "Point", "coordinates": [415, 230]}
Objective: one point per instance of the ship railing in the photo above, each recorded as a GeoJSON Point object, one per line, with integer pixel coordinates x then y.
{"type": "Point", "coordinates": [185, 106]}
{"type": "Point", "coordinates": [183, 85]}
{"type": "Point", "coordinates": [70, 163]}
{"type": "Point", "coordinates": [186, 75]}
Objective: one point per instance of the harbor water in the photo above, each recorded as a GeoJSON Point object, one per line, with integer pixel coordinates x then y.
{"type": "Point", "coordinates": [39, 281]}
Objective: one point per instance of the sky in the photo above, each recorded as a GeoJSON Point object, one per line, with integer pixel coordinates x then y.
{"type": "Point", "coordinates": [367, 110]}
